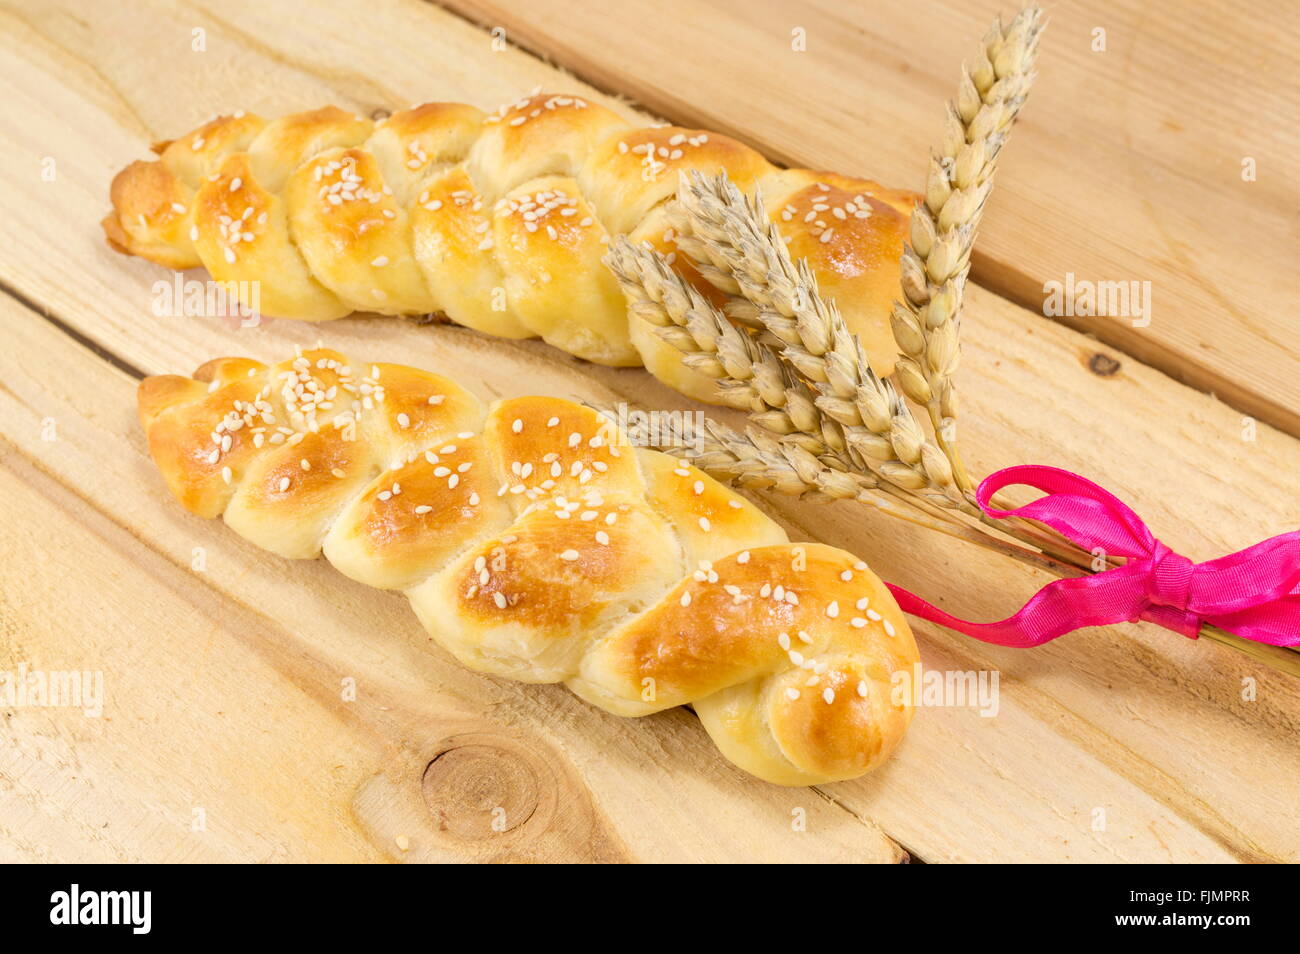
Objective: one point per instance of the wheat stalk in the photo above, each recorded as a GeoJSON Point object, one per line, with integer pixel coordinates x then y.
{"type": "Point", "coordinates": [936, 262]}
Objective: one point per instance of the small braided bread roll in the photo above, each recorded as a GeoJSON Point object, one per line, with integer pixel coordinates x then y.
{"type": "Point", "coordinates": [497, 221]}
{"type": "Point", "coordinates": [535, 543]}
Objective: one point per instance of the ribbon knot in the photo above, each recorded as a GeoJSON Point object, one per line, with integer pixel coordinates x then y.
{"type": "Point", "coordinates": [1168, 589]}
{"type": "Point", "coordinates": [1254, 593]}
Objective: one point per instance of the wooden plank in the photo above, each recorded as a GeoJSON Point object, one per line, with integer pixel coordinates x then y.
{"type": "Point", "coordinates": [1127, 166]}
{"type": "Point", "coordinates": [1119, 720]}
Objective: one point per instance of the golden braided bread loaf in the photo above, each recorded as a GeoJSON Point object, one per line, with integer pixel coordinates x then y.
{"type": "Point", "coordinates": [534, 542]}
{"type": "Point", "coordinates": [498, 221]}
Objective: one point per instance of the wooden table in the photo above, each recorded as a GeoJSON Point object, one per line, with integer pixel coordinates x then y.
{"type": "Point", "coordinates": [228, 731]}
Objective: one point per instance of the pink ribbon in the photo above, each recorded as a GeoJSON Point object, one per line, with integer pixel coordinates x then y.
{"type": "Point", "coordinates": [1254, 593]}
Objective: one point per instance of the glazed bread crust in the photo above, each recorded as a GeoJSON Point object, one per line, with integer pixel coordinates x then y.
{"type": "Point", "coordinates": [498, 221]}
{"type": "Point", "coordinates": [535, 543]}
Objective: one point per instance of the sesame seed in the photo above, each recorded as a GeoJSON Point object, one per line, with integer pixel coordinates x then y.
{"type": "Point", "coordinates": [284, 484]}
{"type": "Point", "coordinates": [857, 622]}
{"type": "Point", "coordinates": [699, 487]}
{"type": "Point", "coordinates": [792, 694]}
{"type": "Point", "coordinates": [846, 576]}
{"type": "Point", "coordinates": [743, 557]}
{"type": "Point", "coordinates": [889, 628]}
{"type": "Point", "coordinates": [569, 555]}
{"type": "Point", "coordinates": [403, 420]}
{"type": "Point", "coordinates": [704, 524]}
{"type": "Point", "coordinates": [829, 695]}
{"type": "Point", "coordinates": [499, 599]}
{"type": "Point", "coordinates": [686, 598]}
{"type": "Point", "coordinates": [226, 474]}
{"type": "Point", "coordinates": [435, 398]}
{"type": "Point", "coordinates": [862, 688]}
{"type": "Point", "coordinates": [423, 508]}
{"type": "Point", "coordinates": [379, 261]}
{"type": "Point", "coordinates": [873, 616]}
{"type": "Point", "coordinates": [553, 422]}
{"type": "Point", "coordinates": [833, 610]}
{"type": "Point", "coordinates": [517, 426]}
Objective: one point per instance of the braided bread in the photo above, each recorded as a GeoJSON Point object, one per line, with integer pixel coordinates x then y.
{"type": "Point", "coordinates": [497, 221]}
{"type": "Point", "coordinates": [535, 543]}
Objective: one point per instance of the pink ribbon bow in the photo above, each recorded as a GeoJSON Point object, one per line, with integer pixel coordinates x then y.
{"type": "Point", "coordinates": [1254, 593]}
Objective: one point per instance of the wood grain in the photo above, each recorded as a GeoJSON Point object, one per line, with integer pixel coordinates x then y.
{"type": "Point", "coordinates": [1153, 730]}
{"type": "Point", "coordinates": [1127, 165]}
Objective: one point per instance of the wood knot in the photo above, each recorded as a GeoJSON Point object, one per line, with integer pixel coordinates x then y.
{"type": "Point", "coordinates": [1103, 365]}
{"type": "Point", "coordinates": [479, 789]}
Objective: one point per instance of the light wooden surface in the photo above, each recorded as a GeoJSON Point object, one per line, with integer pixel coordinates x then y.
{"type": "Point", "coordinates": [225, 687]}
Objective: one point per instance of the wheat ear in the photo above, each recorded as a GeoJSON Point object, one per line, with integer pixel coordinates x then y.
{"type": "Point", "coordinates": [935, 264]}
{"type": "Point", "coordinates": [752, 374]}
{"type": "Point", "coordinates": [739, 250]}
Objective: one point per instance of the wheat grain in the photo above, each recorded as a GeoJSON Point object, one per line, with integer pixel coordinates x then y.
{"type": "Point", "coordinates": [936, 262]}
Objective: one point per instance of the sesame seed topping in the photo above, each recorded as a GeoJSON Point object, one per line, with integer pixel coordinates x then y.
{"type": "Point", "coordinates": [569, 555]}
